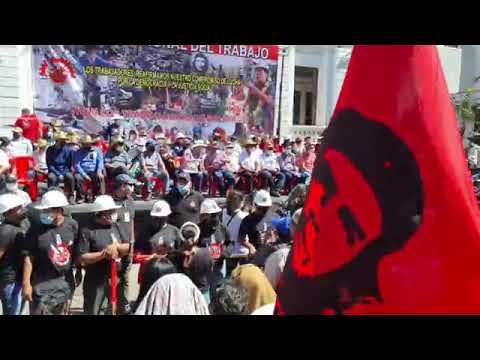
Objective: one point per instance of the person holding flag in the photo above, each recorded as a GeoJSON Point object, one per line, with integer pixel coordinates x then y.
{"type": "Point", "coordinates": [391, 224]}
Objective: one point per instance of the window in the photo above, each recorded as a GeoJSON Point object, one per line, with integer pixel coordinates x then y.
{"type": "Point", "coordinates": [305, 96]}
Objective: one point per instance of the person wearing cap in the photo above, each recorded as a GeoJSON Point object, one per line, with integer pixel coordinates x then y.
{"type": "Point", "coordinates": [214, 237]}
{"type": "Point", "coordinates": [31, 125]}
{"type": "Point", "coordinates": [154, 168]}
{"type": "Point", "coordinates": [297, 147]}
{"type": "Point", "coordinates": [288, 164]}
{"type": "Point", "coordinates": [117, 160]}
{"type": "Point", "coordinates": [270, 170]}
{"type": "Point", "coordinates": [19, 146]}
{"type": "Point", "coordinates": [48, 257]}
{"type": "Point", "coordinates": [194, 164]}
{"type": "Point", "coordinates": [40, 158]}
{"type": "Point", "coordinates": [184, 201]}
{"type": "Point", "coordinates": [88, 165]}
{"type": "Point", "coordinates": [214, 163]}
{"type": "Point", "coordinates": [122, 194]}
{"type": "Point", "coordinates": [12, 236]}
{"type": "Point", "coordinates": [11, 187]}
{"type": "Point", "coordinates": [254, 228]}
{"type": "Point", "coordinates": [249, 163]}
{"type": "Point", "coordinates": [101, 240]}
{"type": "Point", "coordinates": [179, 145]}
{"type": "Point", "coordinates": [59, 162]}
{"type": "Point", "coordinates": [305, 164]}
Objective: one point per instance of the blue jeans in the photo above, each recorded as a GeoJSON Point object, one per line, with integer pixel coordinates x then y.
{"type": "Point", "coordinates": [268, 181]}
{"type": "Point", "coordinates": [11, 297]}
{"type": "Point", "coordinates": [305, 177]}
{"type": "Point", "coordinates": [224, 180]}
{"type": "Point", "coordinates": [199, 180]}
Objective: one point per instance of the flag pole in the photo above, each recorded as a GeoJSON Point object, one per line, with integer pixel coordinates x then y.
{"type": "Point", "coordinates": [113, 289]}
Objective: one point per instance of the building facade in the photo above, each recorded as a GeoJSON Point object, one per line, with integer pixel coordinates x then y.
{"type": "Point", "coordinates": [311, 79]}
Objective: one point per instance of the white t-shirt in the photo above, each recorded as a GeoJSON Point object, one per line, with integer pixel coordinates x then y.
{"type": "Point", "coordinates": [270, 162]}
{"type": "Point", "coordinates": [248, 161]}
{"type": "Point", "coordinates": [233, 225]}
{"type": "Point", "coordinates": [21, 147]}
{"type": "Point", "coordinates": [4, 161]}
{"type": "Point", "coordinates": [40, 159]}
{"type": "Point", "coordinates": [275, 264]}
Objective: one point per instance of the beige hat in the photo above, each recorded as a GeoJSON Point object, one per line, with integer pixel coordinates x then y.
{"type": "Point", "coordinates": [41, 143]}
{"type": "Point", "coordinates": [17, 129]}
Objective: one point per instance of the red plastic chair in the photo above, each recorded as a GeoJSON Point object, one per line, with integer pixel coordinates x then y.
{"type": "Point", "coordinates": [212, 184]}
{"type": "Point", "coordinates": [21, 165]}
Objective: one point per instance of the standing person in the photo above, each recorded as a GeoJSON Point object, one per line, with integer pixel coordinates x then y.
{"type": "Point", "coordinates": [19, 146]}
{"type": "Point", "coordinates": [11, 187]}
{"type": "Point", "coordinates": [249, 163]}
{"type": "Point", "coordinates": [123, 190]}
{"type": "Point", "coordinates": [253, 229]}
{"type": "Point", "coordinates": [232, 217]}
{"type": "Point", "coordinates": [173, 294]}
{"type": "Point", "coordinates": [31, 126]}
{"type": "Point", "coordinates": [270, 169]}
{"type": "Point", "coordinates": [101, 241]}
{"type": "Point", "coordinates": [48, 257]}
{"type": "Point", "coordinates": [40, 159]}
{"type": "Point", "coordinates": [229, 298]}
{"type": "Point", "coordinates": [11, 238]}
{"type": "Point", "coordinates": [117, 160]}
{"type": "Point", "coordinates": [88, 165]}
{"type": "Point", "coordinates": [288, 165]}
{"type": "Point", "coordinates": [214, 237]}
{"type": "Point", "coordinates": [154, 168]}
{"type": "Point", "coordinates": [214, 163]}
{"type": "Point", "coordinates": [59, 162]}
{"type": "Point", "coordinates": [306, 163]}
{"type": "Point", "coordinates": [184, 202]}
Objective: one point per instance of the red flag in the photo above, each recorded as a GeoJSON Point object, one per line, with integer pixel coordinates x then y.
{"type": "Point", "coordinates": [391, 223]}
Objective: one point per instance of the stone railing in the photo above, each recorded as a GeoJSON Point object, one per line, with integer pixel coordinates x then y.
{"type": "Point", "coordinates": [305, 130]}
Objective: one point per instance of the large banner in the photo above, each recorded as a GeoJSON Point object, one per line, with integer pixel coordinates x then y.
{"type": "Point", "coordinates": [187, 88]}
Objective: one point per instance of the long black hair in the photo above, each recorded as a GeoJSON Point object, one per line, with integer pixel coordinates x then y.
{"type": "Point", "coordinates": [154, 270]}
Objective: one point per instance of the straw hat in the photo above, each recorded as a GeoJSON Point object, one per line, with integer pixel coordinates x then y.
{"type": "Point", "coordinates": [198, 143]}
{"type": "Point", "coordinates": [17, 129]}
{"type": "Point", "coordinates": [61, 135]}
{"type": "Point", "coordinates": [88, 140]}
{"type": "Point", "coordinates": [41, 143]}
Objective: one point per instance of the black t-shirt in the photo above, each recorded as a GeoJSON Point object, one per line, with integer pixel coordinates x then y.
{"type": "Point", "coordinates": [208, 235]}
{"type": "Point", "coordinates": [95, 237]}
{"type": "Point", "coordinates": [52, 250]}
{"type": "Point", "coordinates": [150, 240]}
{"type": "Point", "coordinates": [253, 226]}
{"type": "Point", "coordinates": [11, 239]}
{"type": "Point", "coordinates": [126, 217]}
{"type": "Point", "coordinates": [184, 209]}
{"type": "Point", "coordinates": [200, 269]}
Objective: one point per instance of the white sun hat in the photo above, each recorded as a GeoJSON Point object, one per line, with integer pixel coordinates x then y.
{"type": "Point", "coordinates": [209, 206]}
{"type": "Point", "coordinates": [180, 136]}
{"type": "Point", "coordinates": [52, 199]}
{"type": "Point", "coordinates": [160, 209]}
{"type": "Point", "coordinates": [104, 203]}
{"type": "Point", "coordinates": [9, 202]}
{"type": "Point", "coordinates": [262, 198]}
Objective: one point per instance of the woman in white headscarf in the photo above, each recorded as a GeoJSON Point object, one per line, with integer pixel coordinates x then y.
{"type": "Point", "coordinates": [173, 294]}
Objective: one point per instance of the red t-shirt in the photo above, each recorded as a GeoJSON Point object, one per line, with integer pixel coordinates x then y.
{"type": "Point", "coordinates": [31, 127]}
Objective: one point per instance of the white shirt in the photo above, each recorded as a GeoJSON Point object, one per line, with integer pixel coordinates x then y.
{"type": "Point", "coordinates": [248, 161]}
{"type": "Point", "coordinates": [233, 225]}
{"type": "Point", "coordinates": [270, 162]}
{"type": "Point", "coordinates": [4, 161]}
{"type": "Point", "coordinates": [21, 147]}
{"type": "Point", "coordinates": [40, 159]}
{"type": "Point", "coordinates": [275, 264]}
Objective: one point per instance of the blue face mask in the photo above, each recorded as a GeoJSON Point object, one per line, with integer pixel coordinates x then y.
{"type": "Point", "coordinates": [183, 189]}
{"type": "Point", "coordinates": [46, 219]}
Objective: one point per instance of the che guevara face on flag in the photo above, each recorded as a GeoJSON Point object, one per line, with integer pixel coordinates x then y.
{"type": "Point", "coordinates": [365, 201]}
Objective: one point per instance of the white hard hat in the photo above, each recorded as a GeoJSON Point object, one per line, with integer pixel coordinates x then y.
{"type": "Point", "coordinates": [160, 209]}
{"type": "Point", "coordinates": [192, 227]}
{"type": "Point", "coordinates": [9, 202]}
{"type": "Point", "coordinates": [104, 203]}
{"type": "Point", "coordinates": [180, 136]}
{"type": "Point", "coordinates": [117, 117]}
{"type": "Point", "coordinates": [209, 206]}
{"type": "Point", "coordinates": [52, 199]}
{"type": "Point", "coordinates": [262, 198]}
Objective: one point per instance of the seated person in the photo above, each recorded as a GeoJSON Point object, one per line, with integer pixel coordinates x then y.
{"type": "Point", "coordinates": [40, 159]}
{"type": "Point", "coordinates": [306, 163]}
{"type": "Point", "coordinates": [194, 165]}
{"type": "Point", "coordinates": [60, 167]}
{"type": "Point", "coordinates": [88, 165]}
{"type": "Point", "coordinates": [117, 160]}
{"type": "Point", "coordinates": [271, 169]}
{"type": "Point", "coordinates": [232, 162]}
{"type": "Point", "coordinates": [288, 165]}
{"type": "Point", "coordinates": [214, 163]}
{"type": "Point", "coordinates": [168, 158]}
{"type": "Point", "coordinates": [249, 163]}
{"type": "Point", "coordinates": [154, 168]}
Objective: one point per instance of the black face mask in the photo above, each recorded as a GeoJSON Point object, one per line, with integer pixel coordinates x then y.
{"type": "Point", "coordinates": [16, 136]}
{"type": "Point", "coordinates": [261, 211]}
{"type": "Point", "coordinates": [212, 221]}
{"type": "Point", "coordinates": [159, 223]}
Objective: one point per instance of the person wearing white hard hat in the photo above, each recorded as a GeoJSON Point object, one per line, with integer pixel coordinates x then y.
{"type": "Point", "coordinates": [11, 237]}
{"type": "Point", "coordinates": [214, 237]}
{"type": "Point", "coordinates": [11, 187]}
{"type": "Point", "coordinates": [101, 241]}
{"type": "Point", "coordinates": [48, 257]}
{"type": "Point", "coordinates": [254, 229]}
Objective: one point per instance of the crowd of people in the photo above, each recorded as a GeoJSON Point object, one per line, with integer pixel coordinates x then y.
{"type": "Point", "coordinates": [194, 257]}
{"type": "Point", "coordinates": [87, 165]}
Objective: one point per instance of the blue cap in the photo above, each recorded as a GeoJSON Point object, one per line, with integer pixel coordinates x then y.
{"type": "Point", "coordinates": [282, 225]}
{"type": "Point", "coordinates": [123, 179]}
{"type": "Point", "coordinates": [183, 175]}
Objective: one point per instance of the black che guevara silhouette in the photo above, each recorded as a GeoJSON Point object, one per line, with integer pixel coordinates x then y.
{"type": "Point", "coordinates": [391, 171]}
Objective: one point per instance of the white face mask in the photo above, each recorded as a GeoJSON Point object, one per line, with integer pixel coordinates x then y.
{"type": "Point", "coordinates": [12, 187]}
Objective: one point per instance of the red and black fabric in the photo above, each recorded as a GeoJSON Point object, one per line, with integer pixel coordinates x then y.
{"type": "Point", "coordinates": [390, 224]}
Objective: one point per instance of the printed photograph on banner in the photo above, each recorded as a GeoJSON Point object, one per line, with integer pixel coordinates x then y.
{"type": "Point", "coordinates": [189, 88]}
